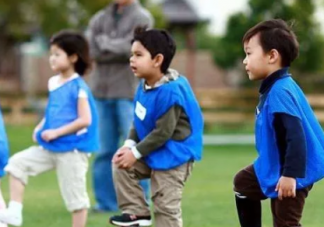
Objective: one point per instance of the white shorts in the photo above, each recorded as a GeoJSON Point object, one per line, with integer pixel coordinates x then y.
{"type": "Point", "coordinates": [71, 168]}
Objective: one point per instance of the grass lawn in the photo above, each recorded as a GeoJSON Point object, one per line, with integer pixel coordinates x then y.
{"type": "Point", "coordinates": [208, 199]}
{"type": "Point", "coordinates": [226, 128]}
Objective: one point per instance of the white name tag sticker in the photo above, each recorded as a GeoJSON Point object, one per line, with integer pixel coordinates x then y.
{"type": "Point", "coordinates": [140, 111]}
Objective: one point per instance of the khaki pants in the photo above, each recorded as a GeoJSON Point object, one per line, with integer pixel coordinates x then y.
{"type": "Point", "coordinates": [166, 189]}
{"type": "Point", "coordinates": [71, 168]}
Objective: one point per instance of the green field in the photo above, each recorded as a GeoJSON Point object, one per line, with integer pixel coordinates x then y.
{"type": "Point", "coordinates": [208, 199]}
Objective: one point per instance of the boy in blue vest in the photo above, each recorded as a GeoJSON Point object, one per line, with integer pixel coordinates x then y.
{"type": "Point", "coordinates": [289, 138]}
{"type": "Point", "coordinates": [165, 140]}
{"type": "Point", "coordinates": [65, 136]}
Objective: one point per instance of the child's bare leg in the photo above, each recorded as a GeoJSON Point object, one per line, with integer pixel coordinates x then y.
{"type": "Point", "coordinates": [79, 218]}
{"type": "Point", "coordinates": [2, 207]}
{"type": "Point", "coordinates": [17, 189]}
{"type": "Point", "coordinates": [13, 215]}
{"type": "Point", "coordinates": [32, 161]}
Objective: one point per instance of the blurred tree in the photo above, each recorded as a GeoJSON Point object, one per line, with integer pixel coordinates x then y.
{"type": "Point", "coordinates": [300, 13]}
{"type": "Point", "coordinates": [21, 18]}
{"type": "Point", "coordinates": [206, 40]}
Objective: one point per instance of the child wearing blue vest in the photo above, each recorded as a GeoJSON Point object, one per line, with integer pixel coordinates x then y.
{"type": "Point", "coordinates": [165, 140]}
{"type": "Point", "coordinates": [289, 138]}
{"type": "Point", "coordinates": [4, 154]}
{"type": "Point", "coordinates": [65, 136]}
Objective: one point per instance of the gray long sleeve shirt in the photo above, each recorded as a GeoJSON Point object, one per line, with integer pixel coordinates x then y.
{"type": "Point", "coordinates": [110, 33]}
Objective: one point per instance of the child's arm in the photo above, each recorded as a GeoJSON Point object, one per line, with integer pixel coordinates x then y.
{"type": "Point", "coordinates": [164, 130]}
{"type": "Point", "coordinates": [132, 138]}
{"type": "Point", "coordinates": [39, 125]}
{"type": "Point", "coordinates": [130, 142]}
{"type": "Point", "coordinates": [291, 142]}
{"type": "Point", "coordinates": [37, 128]}
{"type": "Point", "coordinates": [83, 121]}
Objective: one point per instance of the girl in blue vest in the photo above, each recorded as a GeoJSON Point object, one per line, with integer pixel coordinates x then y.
{"type": "Point", "coordinates": [289, 138]}
{"type": "Point", "coordinates": [4, 154]}
{"type": "Point", "coordinates": [165, 140]}
{"type": "Point", "coordinates": [65, 136]}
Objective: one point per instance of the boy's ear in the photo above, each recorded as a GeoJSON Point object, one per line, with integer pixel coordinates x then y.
{"type": "Point", "coordinates": [73, 58]}
{"type": "Point", "coordinates": [274, 56]}
{"type": "Point", "coordinates": [158, 60]}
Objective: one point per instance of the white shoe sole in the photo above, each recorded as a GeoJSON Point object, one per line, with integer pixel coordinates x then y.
{"type": "Point", "coordinates": [10, 221]}
{"type": "Point", "coordinates": [134, 223]}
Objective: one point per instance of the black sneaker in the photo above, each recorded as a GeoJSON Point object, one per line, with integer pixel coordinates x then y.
{"type": "Point", "coordinates": [130, 220]}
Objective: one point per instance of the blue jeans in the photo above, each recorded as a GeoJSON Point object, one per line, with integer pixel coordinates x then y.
{"type": "Point", "coordinates": [115, 119]}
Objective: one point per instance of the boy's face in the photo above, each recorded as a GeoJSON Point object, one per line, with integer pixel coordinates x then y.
{"type": "Point", "coordinates": [256, 61]}
{"type": "Point", "coordinates": [141, 61]}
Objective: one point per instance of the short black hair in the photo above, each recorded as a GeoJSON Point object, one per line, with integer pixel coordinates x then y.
{"type": "Point", "coordinates": [157, 41]}
{"type": "Point", "coordinates": [73, 42]}
{"type": "Point", "coordinates": [276, 34]}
